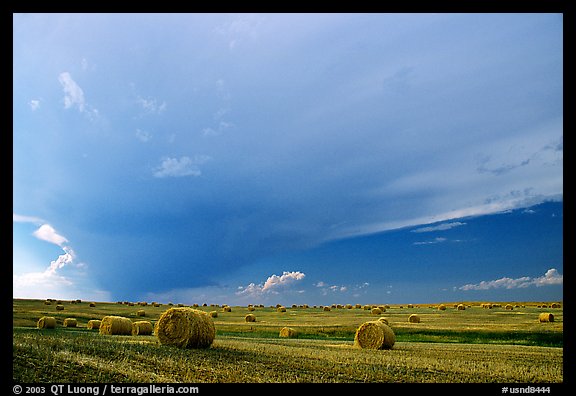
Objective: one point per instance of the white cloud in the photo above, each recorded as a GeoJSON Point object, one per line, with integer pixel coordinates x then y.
{"type": "Point", "coordinates": [440, 227]}
{"type": "Point", "coordinates": [325, 288]}
{"type": "Point", "coordinates": [26, 219]}
{"type": "Point", "coordinates": [184, 166]}
{"type": "Point", "coordinates": [273, 284]}
{"type": "Point", "coordinates": [47, 233]}
{"type": "Point", "coordinates": [34, 104]}
{"type": "Point", "coordinates": [143, 136]}
{"type": "Point", "coordinates": [431, 242]}
{"type": "Point", "coordinates": [275, 281]}
{"type": "Point", "coordinates": [73, 94]}
{"type": "Point", "coordinates": [151, 105]}
{"type": "Point", "coordinates": [551, 277]}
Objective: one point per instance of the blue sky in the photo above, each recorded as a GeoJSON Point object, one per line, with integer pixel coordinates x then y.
{"type": "Point", "coordinates": [288, 158]}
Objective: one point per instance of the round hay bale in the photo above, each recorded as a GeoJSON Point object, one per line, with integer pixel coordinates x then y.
{"type": "Point", "coordinates": [410, 305]}
{"type": "Point", "coordinates": [461, 307]}
{"type": "Point", "coordinates": [555, 305]}
{"type": "Point", "coordinates": [545, 317]}
{"type": "Point", "coordinates": [93, 324]}
{"type": "Point", "coordinates": [47, 302]}
{"type": "Point", "coordinates": [509, 307]}
{"type": "Point", "coordinates": [213, 314]}
{"type": "Point", "coordinates": [142, 327]}
{"type": "Point", "coordinates": [70, 322]}
{"type": "Point", "coordinates": [327, 308]}
{"type": "Point", "coordinates": [442, 307]}
{"type": "Point", "coordinates": [250, 318]}
{"type": "Point", "coordinates": [288, 332]}
{"type": "Point", "coordinates": [251, 308]}
{"type": "Point", "coordinates": [46, 322]}
{"type": "Point", "coordinates": [376, 311]}
{"type": "Point", "coordinates": [383, 320]}
{"type": "Point", "coordinates": [374, 335]}
{"type": "Point", "coordinates": [92, 305]}
{"type": "Point", "coordinates": [414, 318]}
{"type": "Point", "coordinates": [281, 309]}
{"type": "Point", "coordinates": [59, 307]}
{"type": "Point", "coordinates": [186, 328]}
{"type": "Point", "coordinates": [140, 312]}
{"type": "Point", "coordinates": [115, 325]}
{"type": "Point", "coordinates": [226, 308]}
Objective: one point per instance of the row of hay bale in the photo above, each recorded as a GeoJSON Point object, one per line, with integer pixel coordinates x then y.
{"type": "Point", "coordinates": [112, 325]}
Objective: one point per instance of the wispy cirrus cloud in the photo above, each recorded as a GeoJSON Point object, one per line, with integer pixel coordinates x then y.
{"type": "Point", "coordinates": [551, 277]}
{"type": "Point", "coordinates": [440, 227]}
{"type": "Point", "coordinates": [431, 242]}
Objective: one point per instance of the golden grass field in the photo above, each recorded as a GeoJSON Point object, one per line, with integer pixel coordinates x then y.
{"type": "Point", "coordinates": [474, 345]}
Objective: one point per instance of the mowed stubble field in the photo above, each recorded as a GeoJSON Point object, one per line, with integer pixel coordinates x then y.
{"type": "Point", "coordinates": [451, 346]}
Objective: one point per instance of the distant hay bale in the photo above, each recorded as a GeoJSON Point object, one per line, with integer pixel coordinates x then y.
{"type": "Point", "coordinates": [288, 332]}
{"type": "Point", "coordinates": [93, 324]}
{"type": "Point", "coordinates": [186, 328]}
{"type": "Point", "coordinates": [555, 305]}
{"type": "Point", "coordinates": [281, 309]}
{"type": "Point", "coordinates": [115, 325]}
{"type": "Point", "coordinates": [461, 307]}
{"type": "Point", "coordinates": [326, 308]}
{"type": "Point", "coordinates": [140, 312]}
{"type": "Point", "coordinates": [46, 322]}
{"type": "Point", "coordinates": [442, 307]}
{"type": "Point", "coordinates": [376, 311]}
{"type": "Point", "coordinates": [545, 317]}
{"type": "Point", "coordinates": [47, 302]}
{"type": "Point", "coordinates": [250, 318]}
{"type": "Point", "coordinates": [59, 307]}
{"type": "Point", "coordinates": [358, 306]}
{"type": "Point", "coordinates": [213, 314]}
{"type": "Point", "coordinates": [509, 307]}
{"type": "Point", "coordinates": [251, 308]}
{"type": "Point", "coordinates": [374, 335]}
{"type": "Point", "coordinates": [410, 305]}
{"type": "Point", "coordinates": [70, 322]}
{"type": "Point", "coordinates": [383, 320]}
{"type": "Point", "coordinates": [414, 318]}
{"type": "Point", "coordinates": [92, 305]}
{"type": "Point", "coordinates": [226, 309]}
{"type": "Point", "coordinates": [142, 327]}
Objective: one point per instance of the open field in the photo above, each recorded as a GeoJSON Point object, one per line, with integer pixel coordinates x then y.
{"type": "Point", "coordinates": [471, 345]}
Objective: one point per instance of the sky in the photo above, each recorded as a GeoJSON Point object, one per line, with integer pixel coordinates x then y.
{"type": "Point", "coordinates": [288, 158]}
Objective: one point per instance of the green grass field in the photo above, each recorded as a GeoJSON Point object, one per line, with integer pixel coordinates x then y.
{"type": "Point", "coordinates": [472, 345]}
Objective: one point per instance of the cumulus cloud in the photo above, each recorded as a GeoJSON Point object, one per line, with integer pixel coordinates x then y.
{"type": "Point", "coordinates": [49, 279]}
{"type": "Point", "coordinates": [440, 227]}
{"type": "Point", "coordinates": [47, 233]}
{"type": "Point", "coordinates": [273, 284]}
{"type": "Point", "coordinates": [179, 167]}
{"type": "Point", "coordinates": [551, 277]}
